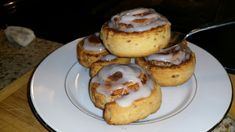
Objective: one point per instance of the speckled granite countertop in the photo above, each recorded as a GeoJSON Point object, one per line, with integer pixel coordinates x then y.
{"type": "Point", "coordinates": [15, 61]}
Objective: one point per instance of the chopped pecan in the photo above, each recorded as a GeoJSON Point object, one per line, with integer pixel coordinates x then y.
{"type": "Point", "coordinates": [94, 39]}
{"type": "Point", "coordinates": [141, 20]}
{"type": "Point", "coordinates": [143, 78]}
{"type": "Point", "coordinates": [133, 87]}
{"type": "Point", "coordinates": [127, 90]}
{"type": "Point", "coordinates": [116, 76]}
{"type": "Point", "coordinates": [124, 26]}
{"type": "Point", "coordinates": [120, 92]}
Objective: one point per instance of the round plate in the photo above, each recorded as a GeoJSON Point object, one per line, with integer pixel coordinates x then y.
{"type": "Point", "coordinates": [59, 94]}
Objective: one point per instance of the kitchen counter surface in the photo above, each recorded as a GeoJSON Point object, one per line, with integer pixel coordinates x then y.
{"type": "Point", "coordinates": [16, 61]}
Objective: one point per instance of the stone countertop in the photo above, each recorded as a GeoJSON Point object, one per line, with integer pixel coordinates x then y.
{"type": "Point", "coordinates": [16, 60]}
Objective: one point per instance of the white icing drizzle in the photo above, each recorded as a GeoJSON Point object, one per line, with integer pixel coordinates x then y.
{"type": "Point", "coordinates": [144, 91]}
{"type": "Point", "coordinates": [93, 43]}
{"type": "Point", "coordinates": [174, 55]}
{"type": "Point", "coordinates": [131, 19]}
{"type": "Point", "coordinates": [130, 73]}
{"type": "Point", "coordinates": [108, 57]}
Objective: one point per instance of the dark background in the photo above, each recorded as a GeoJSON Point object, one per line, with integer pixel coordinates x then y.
{"type": "Point", "coordinates": [64, 21]}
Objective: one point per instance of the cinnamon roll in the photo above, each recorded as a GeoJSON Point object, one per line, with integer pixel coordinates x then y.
{"type": "Point", "coordinates": [171, 66]}
{"type": "Point", "coordinates": [90, 49]}
{"type": "Point", "coordinates": [136, 33]}
{"type": "Point", "coordinates": [106, 60]}
{"type": "Point", "coordinates": [126, 93]}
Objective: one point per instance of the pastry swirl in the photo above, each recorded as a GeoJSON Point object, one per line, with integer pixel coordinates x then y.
{"type": "Point", "coordinates": [136, 33]}
{"type": "Point", "coordinates": [90, 49]}
{"type": "Point", "coordinates": [93, 43]}
{"type": "Point", "coordinates": [174, 55]}
{"type": "Point", "coordinates": [106, 60]}
{"type": "Point", "coordinates": [171, 66]}
{"type": "Point", "coordinates": [126, 93]}
{"type": "Point", "coordinates": [137, 20]}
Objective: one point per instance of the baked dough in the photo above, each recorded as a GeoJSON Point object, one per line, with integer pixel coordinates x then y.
{"type": "Point", "coordinates": [136, 33]}
{"type": "Point", "coordinates": [107, 60]}
{"type": "Point", "coordinates": [90, 49]}
{"type": "Point", "coordinates": [126, 93]}
{"type": "Point", "coordinates": [172, 66]}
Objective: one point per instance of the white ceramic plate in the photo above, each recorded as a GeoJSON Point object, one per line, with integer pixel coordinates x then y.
{"type": "Point", "coordinates": [59, 94]}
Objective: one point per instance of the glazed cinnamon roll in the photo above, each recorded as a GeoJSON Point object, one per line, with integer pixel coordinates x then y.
{"type": "Point", "coordinates": [126, 93]}
{"type": "Point", "coordinates": [106, 60]}
{"type": "Point", "coordinates": [136, 33]}
{"type": "Point", "coordinates": [90, 49]}
{"type": "Point", "coordinates": [171, 66]}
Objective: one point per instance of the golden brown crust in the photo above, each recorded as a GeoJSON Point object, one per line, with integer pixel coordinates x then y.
{"type": "Point", "coordinates": [98, 99]}
{"type": "Point", "coordinates": [96, 66]}
{"type": "Point", "coordinates": [135, 44]}
{"type": "Point", "coordinates": [170, 76]}
{"type": "Point", "coordinates": [139, 109]}
{"type": "Point", "coordinates": [86, 58]}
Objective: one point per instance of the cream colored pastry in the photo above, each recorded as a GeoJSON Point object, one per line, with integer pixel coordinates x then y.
{"type": "Point", "coordinates": [107, 60]}
{"type": "Point", "coordinates": [90, 49]}
{"type": "Point", "coordinates": [126, 93]}
{"type": "Point", "coordinates": [136, 33]}
{"type": "Point", "coordinates": [171, 66]}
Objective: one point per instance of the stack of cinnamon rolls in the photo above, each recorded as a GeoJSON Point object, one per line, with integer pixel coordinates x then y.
{"type": "Point", "coordinates": [127, 90]}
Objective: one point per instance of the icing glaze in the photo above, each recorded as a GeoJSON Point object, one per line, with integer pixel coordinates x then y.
{"type": "Point", "coordinates": [129, 74]}
{"type": "Point", "coordinates": [137, 20]}
{"type": "Point", "coordinates": [93, 43]}
{"type": "Point", "coordinates": [108, 57]}
{"type": "Point", "coordinates": [174, 55]}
